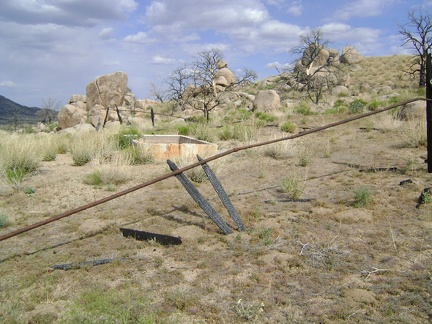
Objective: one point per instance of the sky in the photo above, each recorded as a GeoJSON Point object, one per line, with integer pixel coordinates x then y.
{"type": "Point", "coordinates": [51, 49]}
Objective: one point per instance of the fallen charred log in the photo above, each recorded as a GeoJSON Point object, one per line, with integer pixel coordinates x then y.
{"type": "Point", "coordinates": [147, 236]}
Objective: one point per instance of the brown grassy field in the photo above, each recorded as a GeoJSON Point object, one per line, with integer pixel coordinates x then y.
{"type": "Point", "coordinates": [331, 234]}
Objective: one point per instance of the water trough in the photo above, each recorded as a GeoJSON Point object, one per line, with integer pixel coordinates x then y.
{"type": "Point", "coordinates": [164, 147]}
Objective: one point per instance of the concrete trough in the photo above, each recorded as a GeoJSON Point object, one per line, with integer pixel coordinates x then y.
{"type": "Point", "coordinates": [165, 147]}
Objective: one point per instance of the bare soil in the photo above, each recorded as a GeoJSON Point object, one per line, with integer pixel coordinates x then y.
{"type": "Point", "coordinates": [318, 259]}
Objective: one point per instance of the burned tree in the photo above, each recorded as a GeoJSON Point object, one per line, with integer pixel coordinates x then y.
{"type": "Point", "coordinates": [417, 33]}
{"type": "Point", "coordinates": [313, 72]}
{"type": "Point", "coordinates": [203, 84]}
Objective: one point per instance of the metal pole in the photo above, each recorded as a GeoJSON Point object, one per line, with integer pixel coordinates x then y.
{"type": "Point", "coordinates": [429, 110]}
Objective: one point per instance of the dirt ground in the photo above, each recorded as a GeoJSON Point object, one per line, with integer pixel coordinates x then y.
{"type": "Point", "coordinates": [318, 259]}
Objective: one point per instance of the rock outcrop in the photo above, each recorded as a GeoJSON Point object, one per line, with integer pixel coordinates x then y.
{"type": "Point", "coordinates": [108, 90]}
{"type": "Point", "coordinates": [70, 115]}
{"type": "Point", "coordinates": [266, 101]}
{"type": "Point", "coordinates": [350, 56]}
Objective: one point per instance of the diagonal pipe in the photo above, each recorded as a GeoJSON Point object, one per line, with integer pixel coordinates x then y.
{"type": "Point", "coordinates": [191, 166]}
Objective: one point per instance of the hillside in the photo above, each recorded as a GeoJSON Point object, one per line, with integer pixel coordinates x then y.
{"type": "Point", "coordinates": [9, 110]}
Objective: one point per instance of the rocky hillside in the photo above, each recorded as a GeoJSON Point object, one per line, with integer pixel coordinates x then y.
{"type": "Point", "coordinates": [11, 111]}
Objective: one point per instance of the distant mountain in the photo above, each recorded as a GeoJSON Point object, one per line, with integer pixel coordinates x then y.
{"type": "Point", "coordinates": [11, 111]}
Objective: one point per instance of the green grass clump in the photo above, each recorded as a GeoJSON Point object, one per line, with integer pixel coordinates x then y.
{"type": "Point", "coordinates": [4, 221]}
{"type": "Point", "coordinates": [124, 138]}
{"type": "Point", "coordinates": [361, 197]}
{"type": "Point", "coordinates": [266, 117]}
{"type": "Point", "coordinates": [106, 175]}
{"type": "Point", "coordinates": [375, 105]}
{"type": "Point", "coordinates": [226, 133]}
{"type": "Point", "coordinates": [288, 127]}
{"type": "Point", "coordinates": [138, 156]}
{"type": "Point", "coordinates": [110, 306]}
{"type": "Point", "coordinates": [357, 106]}
{"type": "Point", "coordinates": [291, 187]}
{"type": "Point", "coordinates": [184, 130]}
{"type": "Point", "coordinates": [303, 109]}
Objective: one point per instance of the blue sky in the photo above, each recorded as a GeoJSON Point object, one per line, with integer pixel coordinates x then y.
{"type": "Point", "coordinates": [54, 48]}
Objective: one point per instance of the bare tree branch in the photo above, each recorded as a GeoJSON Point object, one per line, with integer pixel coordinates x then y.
{"type": "Point", "coordinates": [417, 33]}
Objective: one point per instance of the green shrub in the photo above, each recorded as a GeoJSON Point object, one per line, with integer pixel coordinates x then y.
{"type": "Point", "coordinates": [15, 176]}
{"type": "Point", "coordinates": [336, 110]}
{"type": "Point", "coordinates": [183, 130]}
{"type": "Point", "coordinates": [243, 133]}
{"type": "Point", "coordinates": [81, 155]}
{"type": "Point", "coordinates": [266, 117]}
{"type": "Point", "coordinates": [137, 156]}
{"type": "Point", "coordinates": [288, 127]}
{"type": "Point", "coordinates": [361, 197]}
{"type": "Point", "coordinates": [197, 175]}
{"type": "Point", "coordinates": [4, 221]}
{"type": "Point", "coordinates": [226, 133]}
{"type": "Point", "coordinates": [375, 105]}
{"type": "Point", "coordinates": [357, 106]}
{"type": "Point", "coordinates": [124, 138]}
{"type": "Point", "coordinates": [303, 109]}
{"type": "Point", "coordinates": [291, 187]}
{"type": "Point", "coordinates": [106, 175]}
{"type": "Point", "coordinates": [204, 132]}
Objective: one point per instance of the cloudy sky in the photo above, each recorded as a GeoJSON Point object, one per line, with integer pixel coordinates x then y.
{"type": "Point", "coordinates": [54, 48]}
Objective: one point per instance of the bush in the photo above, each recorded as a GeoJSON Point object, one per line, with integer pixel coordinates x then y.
{"type": "Point", "coordinates": [375, 105]}
{"type": "Point", "coordinates": [361, 197]}
{"type": "Point", "coordinates": [137, 156]}
{"type": "Point", "coordinates": [183, 130]}
{"type": "Point", "coordinates": [303, 109]}
{"type": "Point", "coordinates": [4, 221]}
{"type": "Point", "coordinates": [291, 187]}
{"type": "Point", "coordinates": [357, 106]}
{"type": "Point", "coordinates": [124, 138]}
{"type": "Point", "coordinates": [288, 127]}
{"type": "Point", "coordinates": [107, 175]}
{"type": "Point", "coordinates": [265, 117]}
{"type": "Point", "coordinates": [226, 133]}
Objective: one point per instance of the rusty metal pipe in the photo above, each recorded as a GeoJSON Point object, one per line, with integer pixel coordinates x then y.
{"type": "Point", "coordinates": [191, 166]}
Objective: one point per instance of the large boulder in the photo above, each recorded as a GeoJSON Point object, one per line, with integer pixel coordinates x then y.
{"type": "Point", "coordinates": [413, 111]}
{"type": "Point", "coordinates": [316, 54]}
{"type": "Point", "coordinates": [267, 101]}
{"type": "Point", "coordinates": [76, 98]}
{"type": "Point", "coordinates": [108, 90]}
{"type": "Point", "coordinates": [70, 115]}
{"type": "Point", "coordinates": [224, 77]}
{"type": "Point", "coordinates": [350, 56]}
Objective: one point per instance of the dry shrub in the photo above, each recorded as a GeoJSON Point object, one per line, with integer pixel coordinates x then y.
{"type": "Point", "coordinates": [386, 122]}
{"type": "Point", "coordinates": [90, 145]}
{"type": "Point", "coordinates": [20, 152]}
{"type": "Point", "coordinates": [414, 133]}
{"type": "Point", "coordinates": [113, 173]}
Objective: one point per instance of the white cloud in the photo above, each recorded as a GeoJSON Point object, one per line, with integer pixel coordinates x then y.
{"type": "Point", "coordinates": [363, 8]}
{"type": "Point", "coordinates": [140, 37]}
{"type": "Point", "coordinates": [66, 12]}
{"type": "Point", "coordinates": [7, 84]}
{"type": "Point", "coordinates": [295, 8]}
{"type": "Point", "coordinates": [158, 59]}
{"type": "Point", "coordinates": [106, 33]}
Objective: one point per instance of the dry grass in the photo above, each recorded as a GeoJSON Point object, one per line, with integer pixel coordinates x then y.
{"type": "Point", "coordinates": [354, 248]}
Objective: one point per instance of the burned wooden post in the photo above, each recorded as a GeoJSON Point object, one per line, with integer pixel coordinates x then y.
{"type": "Point", "coordinates": [429, 110]}
{"type": "Point", "coordinates": [152, 115]}
{"type": "Point", "coordinates": [200, 200]}
{"type": "Point", "coordinates": [118, 115]}
{"type": "Point", "coordinates": [106, 117]}
{"type": "Point", "coordinates": [223, 196]}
